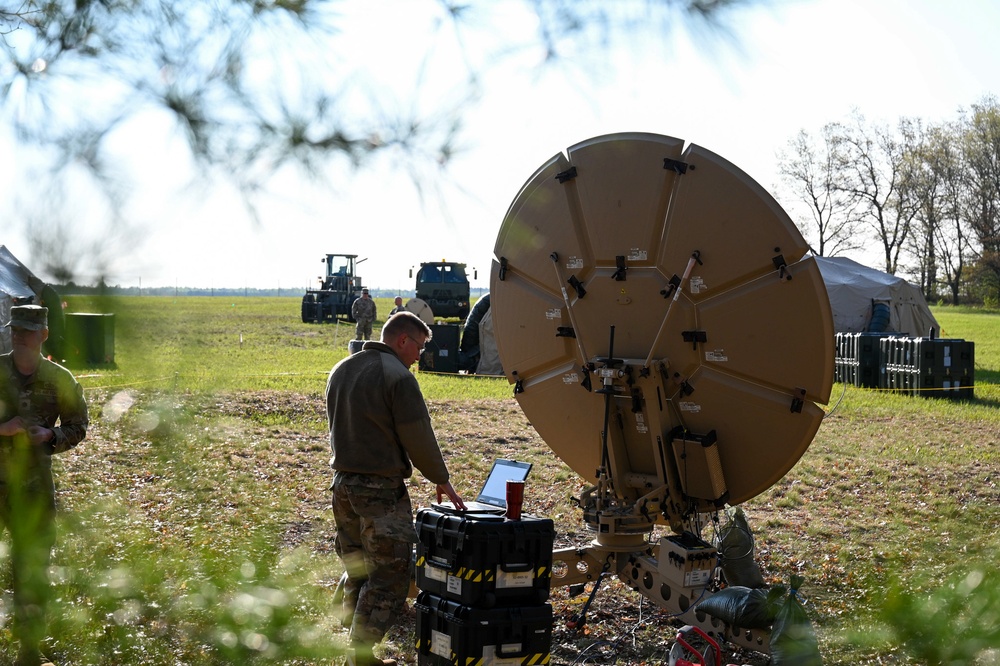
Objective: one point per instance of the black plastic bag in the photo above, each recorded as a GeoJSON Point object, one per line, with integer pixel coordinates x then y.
{"type": "Point", "coordinates": [744, 607]}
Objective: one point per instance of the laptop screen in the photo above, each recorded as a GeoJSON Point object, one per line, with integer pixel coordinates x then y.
{"type": "Point", "coordinates": [495, 489]}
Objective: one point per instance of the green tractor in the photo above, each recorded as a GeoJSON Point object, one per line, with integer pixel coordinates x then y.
{"type": "Point", "coordinates": [444, 286]}
{"type": "Point", "coordinates": [337, 292]}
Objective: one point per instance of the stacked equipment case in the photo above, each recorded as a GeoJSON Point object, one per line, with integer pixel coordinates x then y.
{"type": "Point", "coordinates": [858, 359]}
{"type": "Point", "coordinates": [929, 367]}
{"type": "Point", "coordinates": [926, 367]}
{"type": "Point", "coordinates": [484, 585]}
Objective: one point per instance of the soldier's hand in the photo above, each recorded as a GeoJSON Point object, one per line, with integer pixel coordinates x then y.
{"type": "Point", "coordinates": [39, 434]}
{"type": "Point", "coordinates": [12, 427]}
{"type": "Point", "coordinates": [447, 489]}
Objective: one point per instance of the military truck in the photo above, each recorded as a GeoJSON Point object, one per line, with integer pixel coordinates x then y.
{"type": "Point", "coordinates": [337, 292]}
{"type": "Point", "coordinates": [444, 286]}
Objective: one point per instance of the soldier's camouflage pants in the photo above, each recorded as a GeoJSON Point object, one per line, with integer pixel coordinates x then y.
{"type": "Point", "coordinates": [375, 538]}
{"type": "Point", "coordinates": [363, 329]}
{"type": "Point", "coordinates": [27, 511]}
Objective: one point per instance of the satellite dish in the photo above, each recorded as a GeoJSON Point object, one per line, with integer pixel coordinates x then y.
{"type": "Point", "coordinates": [663, 324]}
{"type": "Point", "coordinates": [420, 308]}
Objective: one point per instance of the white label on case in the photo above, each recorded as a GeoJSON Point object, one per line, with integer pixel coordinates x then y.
{"type": "Point", "coordinates": [509, 579]}
{"type": "Point", "coordinates": [441, 644]}
{"type": "Point", "coordinates": [697, 578]}
{"type": "Point", "coordinates": [490, 658]}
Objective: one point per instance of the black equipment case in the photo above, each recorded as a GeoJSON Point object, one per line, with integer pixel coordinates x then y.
{"type": "Point", "coordinates": [484, 561]}
{"type": "Point", "coordinates": [449, 633]}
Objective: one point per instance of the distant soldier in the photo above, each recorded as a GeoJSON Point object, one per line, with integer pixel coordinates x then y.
{"type": "Point", "coordinates": [363, 312]}
{"type": "Point", "coordinates": [35, 395]}
{"type": "Point", "coordinates": [398, 306]}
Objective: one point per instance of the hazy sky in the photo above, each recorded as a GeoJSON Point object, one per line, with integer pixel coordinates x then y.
{"type": "Point", "coordinates": [798, 66]}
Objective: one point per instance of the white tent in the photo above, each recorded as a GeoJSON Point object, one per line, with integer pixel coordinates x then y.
{"type": "Point", "coordinates": [855, 288]}
{"type": "Point", "coordinates": [18, 284]}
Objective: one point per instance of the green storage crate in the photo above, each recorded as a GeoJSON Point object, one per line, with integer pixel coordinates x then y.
{"type": "Point", "coordinates": [89, 339]}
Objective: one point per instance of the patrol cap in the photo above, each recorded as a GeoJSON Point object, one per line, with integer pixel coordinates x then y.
{"type": "Point", "coordinates": [31, 317]}
{"type": "Point", "coordinates": [364, 291]}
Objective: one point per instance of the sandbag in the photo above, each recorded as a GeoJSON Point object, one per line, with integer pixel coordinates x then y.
{"type": "Point", "coordinates": [793, 641]}
{"type": "Point", "coordinates": [736, 551]}
{"type": "Point", "coordinates": [745, 607]}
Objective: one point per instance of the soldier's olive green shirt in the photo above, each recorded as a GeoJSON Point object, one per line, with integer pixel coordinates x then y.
{"type": "Point", "coordinates": [378, 420]}
{"type": "Point", "coordinates": [49, 397]}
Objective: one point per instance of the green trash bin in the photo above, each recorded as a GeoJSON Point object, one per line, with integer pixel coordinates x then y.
{"type": "Point", "coordinates": [89, 339]}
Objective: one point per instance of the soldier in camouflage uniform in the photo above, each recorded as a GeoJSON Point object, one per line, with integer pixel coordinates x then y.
{"type": "Point", "coordinates": [363, 311]}
{"type": "Point", "coordinates": [35, 395]}
{"type": "Point", "coordinates": [379, 430]}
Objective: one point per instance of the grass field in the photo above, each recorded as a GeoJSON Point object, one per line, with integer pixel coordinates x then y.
{"type": "Point", "coordinates": [196, 527]}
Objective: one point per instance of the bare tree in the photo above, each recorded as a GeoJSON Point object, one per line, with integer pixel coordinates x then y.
{"type": "Point", "coordinates": [872, 162]}
{"type": "Point", "coordinates": [954, 240]}
{"type": "Point", "coordinates": [257, 87]}
{"type": "Point", "coordinates": [981, 150]}
{"type": "Point", "coordinates": [932, 179]}
{"type": "Point", "coordinates": [812, 170]}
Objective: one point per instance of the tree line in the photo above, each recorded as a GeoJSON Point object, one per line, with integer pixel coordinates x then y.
{"type": "Point", "coordinates": [927, 194]}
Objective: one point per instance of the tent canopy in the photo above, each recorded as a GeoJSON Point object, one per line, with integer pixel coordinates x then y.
{"type": "Point", "coordinates": [17, 284]}
{"type": "Point", "coordinates": [853, 288]}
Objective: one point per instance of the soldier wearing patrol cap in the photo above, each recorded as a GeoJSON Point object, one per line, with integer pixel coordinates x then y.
{"type": "Point", "coordinates": [42, 412]}
{"type": "Point", "coordinates": [363, 311]}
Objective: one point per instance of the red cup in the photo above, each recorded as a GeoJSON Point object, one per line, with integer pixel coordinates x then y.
{"type": "Point", "coordinates": [515, 499]}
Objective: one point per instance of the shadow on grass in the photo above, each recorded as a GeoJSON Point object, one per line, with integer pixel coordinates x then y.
{"type": "Point", "coordinates": [989, 380]}
{"type": "Point", "coordinates": [987, 376]}
{"type": "Point", "coordinates": [987, 387]}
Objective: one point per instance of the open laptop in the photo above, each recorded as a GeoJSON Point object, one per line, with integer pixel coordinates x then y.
{"type": "Point", "coordinates": [492, 499]}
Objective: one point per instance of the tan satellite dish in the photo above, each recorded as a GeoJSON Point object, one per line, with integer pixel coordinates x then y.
{"type": "Point", "coordinates": [669, 338]}
{"type": "Point", "coordinates": [420, 308]}
{"type": "Point", "coordinates": [681, 269]}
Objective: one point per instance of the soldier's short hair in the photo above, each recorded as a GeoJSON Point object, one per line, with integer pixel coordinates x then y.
{"type": "Point", "coordinates": [404, 322]}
